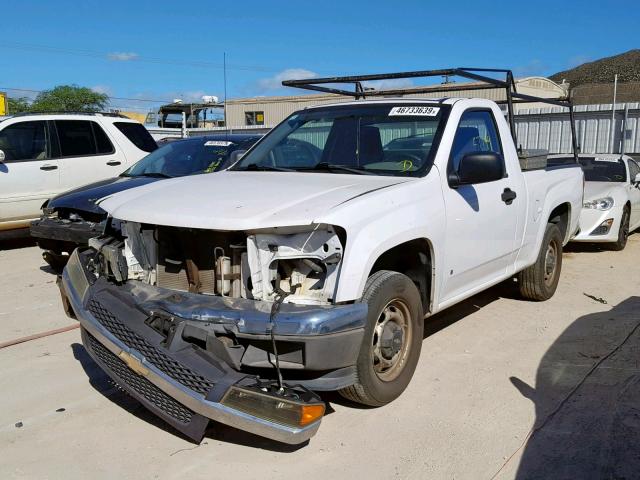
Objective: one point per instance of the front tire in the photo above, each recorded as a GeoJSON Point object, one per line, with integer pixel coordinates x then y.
{"type": "Point", "coordinates": [392, 339]}
{"type": "Point", "coordinates": [623, 232]}
{"type": "Point", "coordinates": [540, 280]}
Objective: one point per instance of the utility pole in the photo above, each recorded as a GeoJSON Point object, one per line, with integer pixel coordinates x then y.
{"type": "Point", "coordinates": [613, 114]}
{"type": "Point", "coordinates": [224, 69]}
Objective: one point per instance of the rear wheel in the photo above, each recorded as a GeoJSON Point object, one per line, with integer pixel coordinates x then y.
{"type": "Point", "coordinates": [623, 231]}
{"type": "Point", "coordinates": [392, 339]}
{"type": "Point", "coordinates": [540, 280]}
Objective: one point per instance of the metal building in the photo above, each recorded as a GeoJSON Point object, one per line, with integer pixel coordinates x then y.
{"type": "Point", "coordinates": [269, 111]}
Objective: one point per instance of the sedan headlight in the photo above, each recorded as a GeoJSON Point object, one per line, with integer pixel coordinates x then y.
{"type": "Point", "coordinates": [605, 203]}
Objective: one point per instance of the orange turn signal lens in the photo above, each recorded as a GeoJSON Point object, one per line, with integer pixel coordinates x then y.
{"type": "Point", "coordinates": [311, 413]}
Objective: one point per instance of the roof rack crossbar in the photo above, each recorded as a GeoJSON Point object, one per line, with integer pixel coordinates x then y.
{"type": "Point", "coordinates": [104, 114]}
{"type": "Point", "coordinates": [472, 73]}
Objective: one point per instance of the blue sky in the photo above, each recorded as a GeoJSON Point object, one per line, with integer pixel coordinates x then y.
{"type": "Point", "coordinates": [164, 50]}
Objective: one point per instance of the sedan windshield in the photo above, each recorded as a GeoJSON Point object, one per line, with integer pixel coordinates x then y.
{"type": "Point", "coordinates": [602, 170]}
{"type": "Point", "coordinates": [187, 157]}
{"type": "Point", "coordinates": [352, 139]}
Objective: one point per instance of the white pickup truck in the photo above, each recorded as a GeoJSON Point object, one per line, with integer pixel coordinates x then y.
{"type": "Point", "coordinates": [313, 261]}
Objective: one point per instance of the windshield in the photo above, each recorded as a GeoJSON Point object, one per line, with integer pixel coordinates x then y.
{"type": "Point", "coordinates": [181, 158]}
{"type": "Point", "coordinates": [603, 170]}
{"type": "Point", "coordinates": [356, 139]}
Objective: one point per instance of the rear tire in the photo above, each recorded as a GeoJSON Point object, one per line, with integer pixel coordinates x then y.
{"type": "Point", "coordinates": [392, 339]}
{"type": "Point", "coordinates": [540, 280]}
{"type": "Point", "coordinates": [623, 232]}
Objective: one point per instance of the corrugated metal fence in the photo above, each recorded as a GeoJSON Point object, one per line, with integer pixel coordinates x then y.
{"type": "Point", "coordinates": [549, 128]}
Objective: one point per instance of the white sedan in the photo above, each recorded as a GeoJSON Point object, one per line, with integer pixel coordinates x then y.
{"type": "Point", "coordinates": [611, 206]}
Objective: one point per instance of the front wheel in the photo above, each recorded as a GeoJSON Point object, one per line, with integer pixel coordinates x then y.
{"type": "Point", "coordinates": [623, 232]}
{"type": "Point", "coordinates": [540, 280]}
{"type": "Point", "coordinates": [392, 339]}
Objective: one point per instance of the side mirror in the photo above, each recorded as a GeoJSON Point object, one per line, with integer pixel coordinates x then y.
{"type": "Point", "coordinates": [478, 167]}
{"type": "Point", "coordinates": [2, 156]}
{"type": "Point", "coordinates": [235, 156]}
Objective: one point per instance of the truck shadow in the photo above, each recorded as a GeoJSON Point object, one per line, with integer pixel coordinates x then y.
{"type": "Point", "coordinates": [19, 239]}
{"type": "Point", "coordinates": [103, 384]}
{"type": "Point", "coordinates": [587, 400]}
{"type": "Point", "coordinates": [441, 320]}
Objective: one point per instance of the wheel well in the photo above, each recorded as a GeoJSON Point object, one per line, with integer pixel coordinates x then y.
{"type": "Point", "coordinates": [413, 259]}
{"type": "Point", "coordinates": [560, 216]}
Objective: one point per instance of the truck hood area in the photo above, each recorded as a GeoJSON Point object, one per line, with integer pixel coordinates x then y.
{"type": "Point", "coordinates": [84, 198]}
{"type": "Point", "coordinates": [235, 200]}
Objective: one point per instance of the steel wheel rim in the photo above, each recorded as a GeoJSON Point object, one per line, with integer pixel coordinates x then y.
{"type": "Point", "coordinates": [550, 263]}
{"type": "Point", "coordinates": [392, 336]}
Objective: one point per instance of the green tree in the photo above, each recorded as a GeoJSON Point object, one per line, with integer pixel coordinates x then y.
{"type": "Point", "coordinates": [69, 98]}
{"type": "Point", "coordinates": [18, 105]}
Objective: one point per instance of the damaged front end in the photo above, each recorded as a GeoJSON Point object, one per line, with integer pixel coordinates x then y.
{"type": "Point", "coordinates": [184, 320]}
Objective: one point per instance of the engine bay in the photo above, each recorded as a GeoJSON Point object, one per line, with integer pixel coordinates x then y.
{"type": "Point", "coordinates": [300, 263]}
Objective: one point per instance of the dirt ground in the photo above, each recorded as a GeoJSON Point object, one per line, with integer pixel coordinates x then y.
{"type": "Point", "coordinates": [492, 370]}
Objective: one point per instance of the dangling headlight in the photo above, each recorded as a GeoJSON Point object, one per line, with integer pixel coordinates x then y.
{"type": "Point", "coordinates": [605, 203]}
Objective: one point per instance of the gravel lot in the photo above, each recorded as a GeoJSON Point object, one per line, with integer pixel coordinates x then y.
{"type": "Point", "coordinates": [491, 369]}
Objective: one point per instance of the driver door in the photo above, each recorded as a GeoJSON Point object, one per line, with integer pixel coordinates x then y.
{"type": "Point", "coordinates": [28, 175]}
{"type": "Point", "coordinates": [481, 222]}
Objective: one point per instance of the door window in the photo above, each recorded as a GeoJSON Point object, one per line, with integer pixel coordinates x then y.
{"type": "Point", "coordinates": [76, 138]}
{"type": "Point", "coordinates": [24, 141]}
{"type": "Point", "coordinates": [634, 170]}
{"type": "Point", "coordinates": [476, 132]}
{"type": "Point", "coordinates": [103, 144]}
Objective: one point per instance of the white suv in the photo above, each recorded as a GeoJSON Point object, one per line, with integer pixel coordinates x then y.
{"type": "Point", "coordinates": [42, 155]}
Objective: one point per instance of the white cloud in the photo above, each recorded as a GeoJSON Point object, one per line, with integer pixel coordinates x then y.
{"type": "Point", "coordinates": [122, 56]}
{"type": "Point", "coordinates": [390, 84]}
{"type": "Point", "coordinates": [275, 83]}
{"type": "Point", "coordinates": [534, 68]}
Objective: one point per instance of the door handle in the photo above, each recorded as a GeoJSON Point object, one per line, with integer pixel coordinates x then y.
{"type": "Point", "coordinates": [48, 166]}
{"type": "Point", "coordinates": [113, 163]}
{"type": "Point", "coordinates": [508, 196]}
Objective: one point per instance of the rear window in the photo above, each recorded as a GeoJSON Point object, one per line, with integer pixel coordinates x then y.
{"type": "Point", "coordinates": [603, 170]}
{"type": "Point", "coordinates": [79, 138]}
{"type": "Point", "coordinates": [138, 135]}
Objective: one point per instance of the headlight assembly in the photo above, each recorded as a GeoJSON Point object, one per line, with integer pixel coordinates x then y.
{"type": "Point", "coordinates": [605, 203]}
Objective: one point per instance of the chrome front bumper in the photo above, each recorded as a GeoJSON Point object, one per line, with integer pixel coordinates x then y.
{"type": "Point", "coordinates": [76, 293]}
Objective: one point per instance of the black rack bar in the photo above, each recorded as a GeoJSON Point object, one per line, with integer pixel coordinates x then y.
{"type": "Point", "coordinates": [472, 73]}
{"type": "Point", "coordinates": [103, 114]}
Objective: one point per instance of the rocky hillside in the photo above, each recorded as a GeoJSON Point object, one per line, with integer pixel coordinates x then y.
{"type": "Point", "coordinates": [626, 65]}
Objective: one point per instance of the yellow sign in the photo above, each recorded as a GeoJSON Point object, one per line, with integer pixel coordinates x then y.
{"type": "Point", "coordinates": [3, 103]}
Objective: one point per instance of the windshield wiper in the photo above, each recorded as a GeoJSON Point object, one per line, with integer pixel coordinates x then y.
{"type": "Point", "coordinates": [264, 168]}
{"type": "Point", "coordinates": [151, 174]}
{"type": "Point", "coordinates": [328, 167]}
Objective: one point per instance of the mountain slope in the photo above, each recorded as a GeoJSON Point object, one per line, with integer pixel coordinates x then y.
{"type": "Point", "coordinates": [626, 65]}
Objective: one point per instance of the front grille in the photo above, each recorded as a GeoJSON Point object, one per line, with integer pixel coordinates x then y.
{"type": "Point", "coordinates": [139, 384]}
{"type": "Point", "coordinates": [175, 370]}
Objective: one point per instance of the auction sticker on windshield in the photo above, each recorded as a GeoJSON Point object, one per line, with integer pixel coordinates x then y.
{"type": "Point", "coordinates": [415, 111]}
{"type": "Point", "coordinates": [217, 143]}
